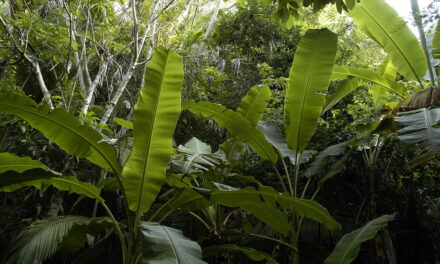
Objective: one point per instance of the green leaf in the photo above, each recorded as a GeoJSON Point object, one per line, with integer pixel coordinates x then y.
{"type": "Point", "coordinates": [62, 128]}
{"type": "Point", "coordinates": [308, 83]}
{"type": "Point", "coordinates": [344, 88]}
{"type": "Point", "coordinates": [124, 123]}
{"type": "Point", "coordinates": [379, 95]}
{"type": "Point", "coordinates": [418, 129]}
{"type": "Point", "coordinates": [350, 4]}
{"type": "Point", "coordinates": [341, 72]}
{"type": "Point", "coordinates": [335, 169]}
{"type": "Point", "coordinates": [348, 247]}
{"type": "Point", "coordinates": [38, 178]}
{"type": "Point", "coordinates": [249, 252]}
{"type": "Point", "coordinates": [194, 157]}
{"type": "Point", "coordinates": [236, 124]}
{"type": "Point", "coordinates": [273, 135]}
{"type": "Point", "coordinates": [253, 105]}
{"type": "Point", "coordinates": [9, 162]}
{"type": "Point", "coordinates": [261, 203]}
{"type": "Point", "coordinates": [387, 69]}
{"type": "Point", "coordinates": [163, 244]}
{"type": "Point", "coordinates": [382, 23]}
{"type": "Point", "coordinates": [155, 117]}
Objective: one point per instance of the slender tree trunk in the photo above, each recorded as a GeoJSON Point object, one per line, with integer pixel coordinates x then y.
{"type": "Point", "coordinates": [102, 70]}
{"type": "Point", "coordinates": [111, 105]}
{"type": "Point", "coordinates": [419, 24]}
{"type": "Point", "coordinates": [42, 84]}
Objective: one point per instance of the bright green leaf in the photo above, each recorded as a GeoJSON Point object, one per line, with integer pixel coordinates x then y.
{"type": "Point", "coordinates": [308, 83]}
{"type": "Point", "coordinates": [155, 117]}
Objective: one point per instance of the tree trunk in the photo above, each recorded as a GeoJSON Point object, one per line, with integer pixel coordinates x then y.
{"type": "Point", "coordinates": [102, 70]}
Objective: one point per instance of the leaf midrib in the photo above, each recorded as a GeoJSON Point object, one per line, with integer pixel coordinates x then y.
{"type": "Point", "coordinates": [309, 73]}
{"type": "Point", "coordinates": [366, 77]}
{"type": "Point", "coordinates": [176, 253]}
{"type": "Point", "coordinates": [207, 109]}
{"type": "Point", "coordinates": [362, 231]}
{"type": "Point", "coordinates": [47, 117]}
{"type": "Point", "coordinates": [151, 130]}
{"type": "Point", "coordinates": [392, 40]}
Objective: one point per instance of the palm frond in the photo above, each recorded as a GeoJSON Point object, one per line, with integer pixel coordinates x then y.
{"type": "Point", "coordinates": [42, 238]}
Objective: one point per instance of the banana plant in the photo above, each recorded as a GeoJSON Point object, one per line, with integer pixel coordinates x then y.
{"type": "Point", "coordinates": [140, 179]}
{"type": "Point", "coordinates": [406, 56]}
{"type": "Point", "coordinates": [309, 79]}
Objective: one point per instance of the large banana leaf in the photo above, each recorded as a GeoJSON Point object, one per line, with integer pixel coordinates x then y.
{"type": "Point", "coordinates": [38, 178]}
{"type": "Point", "coordinates": [258, 203]}
{"type": "Point", "coordinates": [420, 130]}
{"type": "Point", "coordinates": [9, 162]}
{"type": "Point", "coordinates": [236, 124]}
{"type": "Point", "coordinates": [341, 72]}
{"type": "Point", "coordinates": [155, 117]}
{"type": "Point", "coordinates": [252, 106]}
{"type": "Point", "coordinates": [382, 23]}
{"type": "Point", "coordinates": [348, 247]}
{"type": "Point", "coordinates": [62, 128]}
{"type": "Point", "coordinates": [308, 84]}
{"type": "Point", "coordinates": [163, 244]}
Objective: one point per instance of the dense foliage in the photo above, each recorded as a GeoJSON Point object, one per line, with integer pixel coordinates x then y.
{"type": "Point", "coordinates": [200, 131]}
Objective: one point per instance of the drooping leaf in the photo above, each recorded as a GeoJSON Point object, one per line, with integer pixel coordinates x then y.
{"type": "Point", "coordinates": [341, 72]}
{"type": "Point", "coordinates": [252, 106]}
{"type": "Point", "coordinates": [38, 178]}
{"type": "Point", "coordinates": [422, 99]}
{"type": "Point", "coordinates": [348, 247]}
{"type": "Point", "coordinates": [273, 135]}
{"type": "Point", "coordinates": [321, 160]}
{"type": "Point", "coordinates": [334, 169]}
{"type": "Point", "coordinates": [344, 88]}
{"type": "Point", "coordinates": [9, 162]}
{"type": "Point", "coordinates": [418, 129]}
{"type": "Point", "coordinates": [382, 23]}
{"type": "Point", "coordinates": [39, 241]}
{"type": "Point", "coordinates": [124, 123]}
{"type": "Point", "coordinates": [163, 244]}
{"type": "Point", "coordinates": [387, 69]}
{"type": "Point", "coordinates": [179, 181]}
{"type": "Point", "coordinates": [236, 125]}
{"type": "Point", "coordinates": [308, 83]}
{"type": "Point", "coordinates": [155, 117]}
{"type": "Point", "coordinates": [262, 203]}
{"type": "Point", "coordinates": [249, 252]}
{"type": "Point", "coordinates": [62, 128]}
